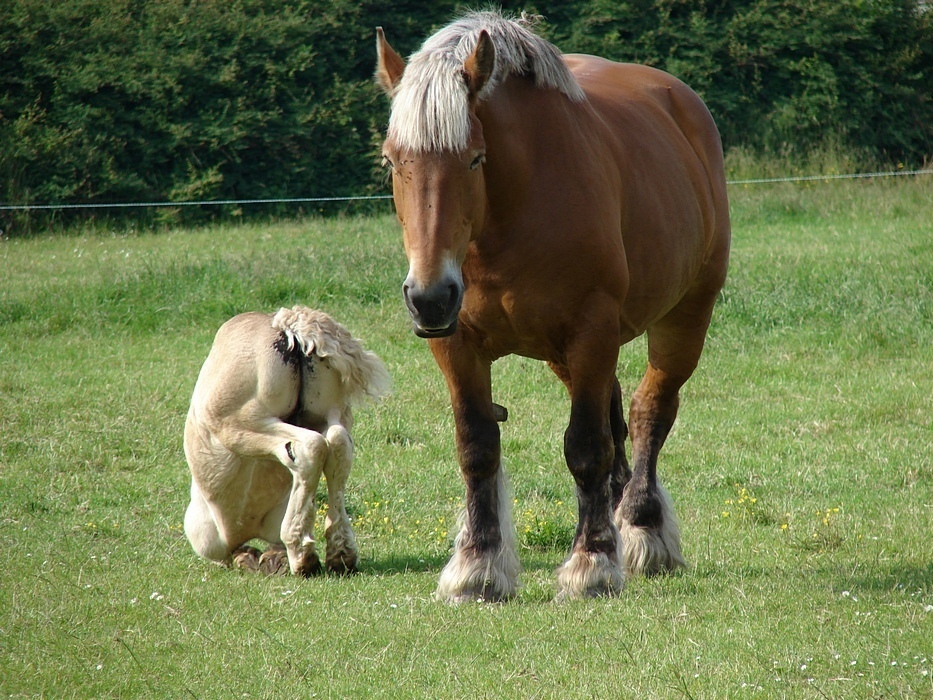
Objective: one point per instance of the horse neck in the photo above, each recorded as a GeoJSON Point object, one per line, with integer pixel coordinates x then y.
{"type": "Point", "coordinates": [518, 120]}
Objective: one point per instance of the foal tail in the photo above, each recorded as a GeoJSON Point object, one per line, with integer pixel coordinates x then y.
{"type": "Point", "coordinates": [362, 372]}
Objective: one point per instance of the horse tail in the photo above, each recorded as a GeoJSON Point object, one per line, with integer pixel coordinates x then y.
{"type": "Point", "coordinates": [314, 332]}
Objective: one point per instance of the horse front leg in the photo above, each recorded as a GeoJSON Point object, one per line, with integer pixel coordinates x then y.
{"type": "Point", "coordinates": [594, 567]}
{"type": "Point", "coordinates": [594, 450]}
{"type": "Point", "coordinates": [484, 565]}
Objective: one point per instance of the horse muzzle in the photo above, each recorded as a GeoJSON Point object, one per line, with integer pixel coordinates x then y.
{"type": "Point", "coordinates": [434, 308]}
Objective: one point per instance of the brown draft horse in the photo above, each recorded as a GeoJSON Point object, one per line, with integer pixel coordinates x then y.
{"type": "Point", "coordinates": [556, 207]}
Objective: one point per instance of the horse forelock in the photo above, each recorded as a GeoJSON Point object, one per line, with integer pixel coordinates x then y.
{"type": "Point", "coordinates": [430, 107]}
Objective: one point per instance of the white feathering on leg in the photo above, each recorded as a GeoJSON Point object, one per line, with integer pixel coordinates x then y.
{"type": "Point", "coordinates": [591, 574]}
{"type": "Point", "coordinates": [650, 551]}
{"type": "Point", "coordinates": [493, 577]}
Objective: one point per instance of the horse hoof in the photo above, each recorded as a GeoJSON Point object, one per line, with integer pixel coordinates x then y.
{"type": "Point", "coordinates": [653, 550]}
{"type": "Point", "coordinates": [483, 594]}
{"type": "Point", "coordinates": [467, 581]}
{"type": "Point", "coordinates": [492, 578]}
{"type": "Point", "coordinates": [589, 575]}
{"type": "Point", "coordinates": [650, 551]}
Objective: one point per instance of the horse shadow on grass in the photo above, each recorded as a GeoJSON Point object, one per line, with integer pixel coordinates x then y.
{"type": "Point", "coordinates": [390, 565]}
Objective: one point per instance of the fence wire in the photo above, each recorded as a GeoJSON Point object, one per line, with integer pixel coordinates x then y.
{"type": "Point", "coordinates": [361, 198]}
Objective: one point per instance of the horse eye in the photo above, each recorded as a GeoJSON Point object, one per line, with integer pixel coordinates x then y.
{"type": "Point", "coordinates": [479, 160]}
{"type": "Point", "coordinates": [387, 163]}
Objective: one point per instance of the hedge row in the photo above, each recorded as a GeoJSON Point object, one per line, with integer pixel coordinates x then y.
{"type": "Point", "coordinates": [122, 100]}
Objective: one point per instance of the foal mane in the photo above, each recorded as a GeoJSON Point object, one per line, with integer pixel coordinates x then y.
{"type": "Point", "coordinates": [430, 107]}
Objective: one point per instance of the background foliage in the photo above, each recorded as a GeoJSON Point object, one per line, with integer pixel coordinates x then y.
{"type": "Point", "coordinates": [118, 100]}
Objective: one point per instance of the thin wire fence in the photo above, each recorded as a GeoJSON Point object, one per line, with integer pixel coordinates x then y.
{"type": "Point", "coordinates": [361, 198]}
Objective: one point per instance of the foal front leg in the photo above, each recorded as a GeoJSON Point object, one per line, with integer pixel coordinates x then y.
{"type": "Point", "coordinates": [304, 453]}
{"type": "Point", "coordinates": [308, 458]}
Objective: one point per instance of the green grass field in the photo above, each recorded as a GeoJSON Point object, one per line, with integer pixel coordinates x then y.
{"type": "Point", "coordinates": [801, 466]}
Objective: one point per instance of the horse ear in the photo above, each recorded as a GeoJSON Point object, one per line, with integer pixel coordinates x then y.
{"type": "Point", "coordinates": [477, 69]}
{"type": "Point", "coordinates": [389, 65]}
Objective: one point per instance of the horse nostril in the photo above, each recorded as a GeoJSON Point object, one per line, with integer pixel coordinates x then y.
{"type": "Point", "coordinates": [406, 293]}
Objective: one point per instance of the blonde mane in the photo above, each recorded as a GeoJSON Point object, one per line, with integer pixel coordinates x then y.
{"type": "Point", "coordinates": [430, 110]}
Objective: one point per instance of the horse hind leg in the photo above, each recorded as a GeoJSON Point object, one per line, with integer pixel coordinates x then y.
{"type": "Point", "coordinates": [621, 473]}
{"type": "Point", "coordinates": [645, 515]}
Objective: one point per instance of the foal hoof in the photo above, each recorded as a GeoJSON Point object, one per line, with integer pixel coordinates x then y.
{"type": "Point", "coordinates": [341, 563]}
{"type": "Point", "coordinates": [247, 559]}
{"type": "Point", "coordinates": [307, 566]}
{"type": "Point", "coordinates": [274, 561]}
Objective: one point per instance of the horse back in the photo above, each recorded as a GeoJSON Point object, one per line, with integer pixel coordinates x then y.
{"type": "Point", "coordinates": [668, 155]}
{"type": "Point", "coordinates": [641, 103]}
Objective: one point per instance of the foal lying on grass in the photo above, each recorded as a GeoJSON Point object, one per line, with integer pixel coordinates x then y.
{"type": "Point", "coordinates": [270, 414]}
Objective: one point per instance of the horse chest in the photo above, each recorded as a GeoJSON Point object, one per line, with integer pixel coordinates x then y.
{"type": "Point", "coordinates": [504, 322]}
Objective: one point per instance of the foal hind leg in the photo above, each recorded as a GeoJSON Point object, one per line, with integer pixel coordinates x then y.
{"type": "Point", "coordinates": [645, 516]}
{"type": "Point", "coordinates": [202, 531]}
{"type": "Point", "coordinates": [341, 543]}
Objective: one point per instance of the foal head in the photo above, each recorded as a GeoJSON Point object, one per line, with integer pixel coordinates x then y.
{"type": "Point", "coordinates": [435, 152]}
